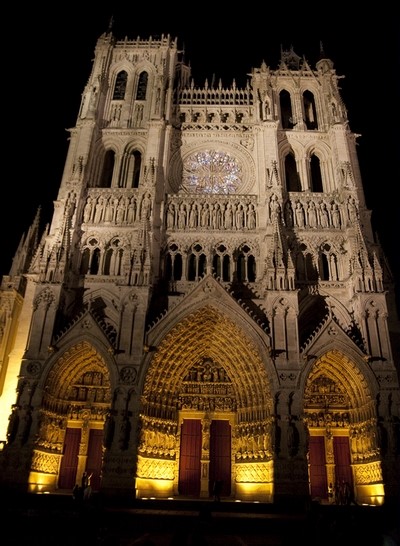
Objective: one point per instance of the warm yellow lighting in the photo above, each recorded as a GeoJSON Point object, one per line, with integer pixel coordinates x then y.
{"type": "Point", "coordinates": [40, 482]}
{"type": "Point", "coordinates": [255, 491]}
{"type": "Point", "coordinates": [371, 494]}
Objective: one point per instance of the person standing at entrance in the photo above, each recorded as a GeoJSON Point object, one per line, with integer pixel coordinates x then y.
{"type": "Point", "coordinates": [86, 485]}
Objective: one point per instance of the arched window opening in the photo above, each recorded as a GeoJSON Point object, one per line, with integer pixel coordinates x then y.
{"type": "Point", "coordinates": [251, 268]}
{"type": "Point", "coordinates": [107, 261]}
{"type": "Point", "coordinates": [120, 85]}
{"type": "Point", "coordinates": [192, 264]}
{"type": "Point", "coordinates": [95, 262]}
{"type": "Point", "coordinates": [245, 265]}
{"type": "Point", "coordinates": [324, 270]}
{"type": "Point", "coordinates": [310, 112]}
{"type": "Point", "coordinates": [85, 261]}
{"type": "Point", "coordinates": [241, 268]}
{"type": "Point", "coordinates": [310, 270]}
{"type": "Point", "coordinates": [217, 266]}
{"type": "Point", "coordinates": [142, 86]}
{"type": "Point", "coordinates": [108, 169]}
{"type": "Point", "coordinates": [113, 259]}
{"type": "Point", "coordinates": [178, 269]}
{"type": "Point", "coordinates": [286, 110]}
{"type": "Point", "coordinates": [315, 173]}
{"type": "Point", "coordinates": [292, 176]}
{"type": "Point", "coordinates": [173, 267]}
{"type": "Point", "coordinates": [226, 268]}
{"type": "Point", "coordinates": [300, 267]}
{"type": "Point", "coordinates": [197, 263]}
{"type": "Point", "coordinates": [202, 265]}
{"type": "Point", "coordinates": [137, 162]}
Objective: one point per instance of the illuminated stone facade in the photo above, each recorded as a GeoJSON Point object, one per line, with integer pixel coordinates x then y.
{"type": "Point", "coordinates": [209, 297]}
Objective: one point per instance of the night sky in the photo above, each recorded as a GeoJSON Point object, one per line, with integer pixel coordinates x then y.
{"type": "Point", "coordinates": [49, 55]}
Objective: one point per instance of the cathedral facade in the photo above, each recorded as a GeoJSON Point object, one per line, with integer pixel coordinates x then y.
{"type": "Point", "coordinates": [209, 302]}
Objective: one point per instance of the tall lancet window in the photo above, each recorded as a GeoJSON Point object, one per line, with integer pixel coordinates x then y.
{"type": "Point", "coordinates": [142, 86]}
{"type": "Point", "coordinates": [315, 173]}
{"type": "Point", "coordinates": [286, 110]}
{"type": "Point", "coordinates": [310, 112]}
{"type": "Point", "coordinates": [120, 86]}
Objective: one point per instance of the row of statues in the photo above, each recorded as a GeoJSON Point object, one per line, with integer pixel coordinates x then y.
{"type": "Point", "coordinates": [117, 210]}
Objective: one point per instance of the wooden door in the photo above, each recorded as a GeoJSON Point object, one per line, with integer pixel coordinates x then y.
{"type": "Point", "coordinates": [69, 462]}
{"type": "Point", "coordinates": [317, 461]}
{"type": "Point", "coordinates": [190, 458]}
{"type": "Point", "coordinates": [95, 457]}
{"type": "Point", "coordinates": [220, 456]}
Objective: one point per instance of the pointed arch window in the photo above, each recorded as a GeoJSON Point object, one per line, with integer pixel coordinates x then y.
{"type": "Point", "coordinates": [245, 265]}
{"type": "Point", "coordinates": [222, 263]}
{"type": "Point", "coordinates": [305, 268]}
{"type": "Point", "coordinates": [310, 111]}
{"type": "Point", "coordinates": [315, 173]}
{"type": "Point", "coordinates": [108, 169]}
{"type": "Point", "coordinates": [142, 86]}
{"type": "Point", "coordinates": [291, 174]}
{"type": "Point", "coordinates": [113, 259]}
{"type": "Point", "coordinates": [324, 268]}
{"type": "Point", "coordinates": [197, 263]}
{"type": "Point", "coordinates": [90, 261]}
{"type": "Point", "coordinates": [286, 110]}
{"type": "Point", "coordinates": [328, 266]}
{"type": "Point", "coordinates": [120, 85]}
{"type": "Point", "coordinates": [173, 264]}
{"type": "Point", "coordinates": [136, 162]}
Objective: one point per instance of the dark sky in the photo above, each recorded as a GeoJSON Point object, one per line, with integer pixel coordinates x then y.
{"type": "Point", "coordinates": [48, 61]}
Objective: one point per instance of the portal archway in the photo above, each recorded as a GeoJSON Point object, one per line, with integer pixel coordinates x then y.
{"type": "Point", "coordinates": [342, 424]}
{"type": "Point", "coordinates": [77, 398]}
{"type": "Point", "coordinates": [206, 375]}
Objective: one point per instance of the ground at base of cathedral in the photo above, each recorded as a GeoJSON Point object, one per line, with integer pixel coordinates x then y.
{"type": "Point", "coordinates": [54, 519]}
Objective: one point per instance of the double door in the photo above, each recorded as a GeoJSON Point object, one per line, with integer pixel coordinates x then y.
{"type": "Point", "coordinates": [215, 464]}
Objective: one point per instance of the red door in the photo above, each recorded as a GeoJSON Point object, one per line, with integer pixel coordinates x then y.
{"type": "Point", "coordinates": [94, 458]}
{"type": "Point", "coordinates": [220, 456]}
{"type": "Point", "coordinates": [69, 462]}
{"type": "Point", "coordinates": [344, 478]}
{"type": "Point", "coordinates": [318, 482]}
{"type": "Point", "coordinates": [341, 454]}
{"type": "Point", "coordinates": [190, 455]}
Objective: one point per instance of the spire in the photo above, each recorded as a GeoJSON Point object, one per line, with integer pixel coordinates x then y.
{"type": "Point", "coordinates": [110, 25]}
{"type": "Point", "coordinates": [36, 260]}
{"type": "Point", "coordinates": [321, 51]}
{"type": "Point", "coordinates": [26, 248]}
{"type": "Point", "coordinates": [59, 255]}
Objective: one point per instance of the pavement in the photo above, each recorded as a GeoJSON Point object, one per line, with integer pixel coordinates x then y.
{"type": "Point", "coordinates": [59, 520]}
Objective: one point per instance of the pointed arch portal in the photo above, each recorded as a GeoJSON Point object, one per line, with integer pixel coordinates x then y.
{"type": "Point", "coordinates": [205, 394]}
{"type": "Point", "coordinates": [76, 400]}
{"type": "Point", "coordinates": [341, 419]}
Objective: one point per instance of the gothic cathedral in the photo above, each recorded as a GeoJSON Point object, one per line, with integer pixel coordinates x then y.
{"type": "Point", "coordinates": [209, 302]}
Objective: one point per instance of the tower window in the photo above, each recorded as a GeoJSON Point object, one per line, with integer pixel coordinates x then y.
{"type": "Point", "coordinates": [142, 86]}
{"type": "Point", "coordinates": [120, 86]}
{"type": "Point", "coordinates": [310, 113]}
